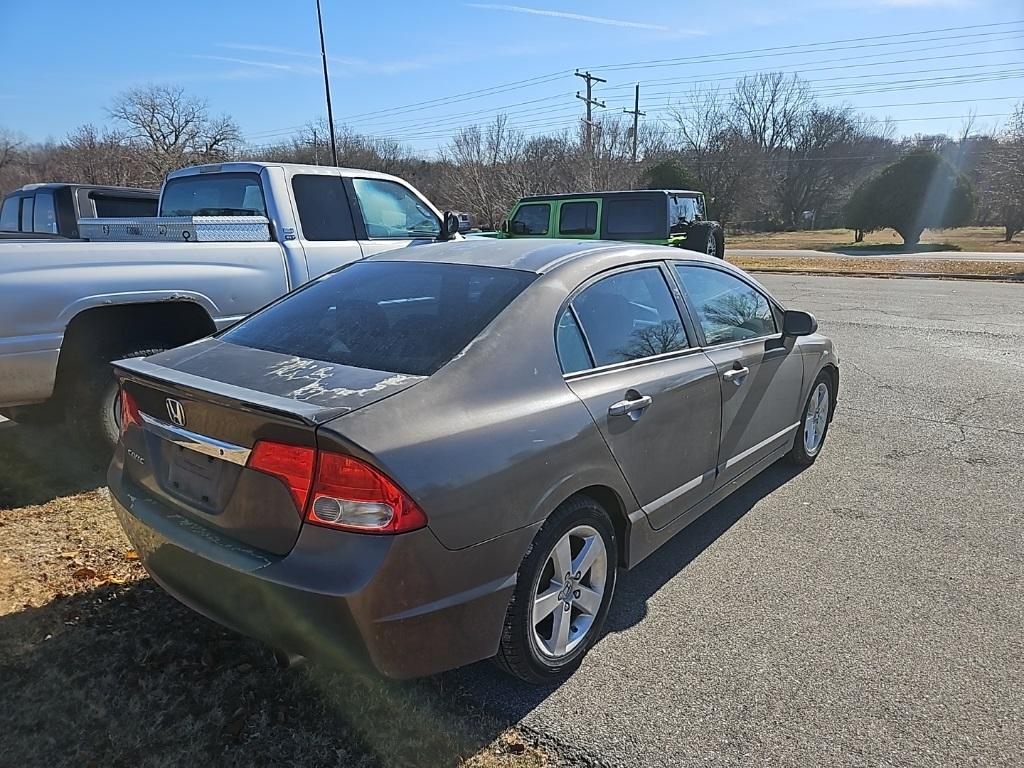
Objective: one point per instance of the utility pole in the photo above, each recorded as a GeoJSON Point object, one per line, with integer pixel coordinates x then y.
{"type": "Point", "coordinates": [591, 102]}
{"type": "Point", "coordinates": [327, 85]}
{"type": "Point", "coordinates": [637, 114]}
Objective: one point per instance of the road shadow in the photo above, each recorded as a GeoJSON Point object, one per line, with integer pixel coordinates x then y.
{"type": "Point", "coordinates": [41, 463]}
{"type": "Point", "coordinates": [512, 700]}
{"type": "Point", "coordinates": [882, 249]}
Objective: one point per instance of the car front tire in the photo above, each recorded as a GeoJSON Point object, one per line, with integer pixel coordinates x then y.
{"type": "Point", "coordinates": [817, 415]}
{"type": "Point", "coordinates": [564, 588]}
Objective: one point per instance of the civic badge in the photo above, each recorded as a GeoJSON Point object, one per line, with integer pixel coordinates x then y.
{"type": "Point", "coordinates": [176, 411]}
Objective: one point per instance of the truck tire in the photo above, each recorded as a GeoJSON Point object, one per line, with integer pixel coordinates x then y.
{"type": "Point", "coordinates": [92, 407]}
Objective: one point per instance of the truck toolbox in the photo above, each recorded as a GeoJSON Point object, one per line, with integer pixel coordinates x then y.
{"type": "Point", "coordinates": [181, 229]}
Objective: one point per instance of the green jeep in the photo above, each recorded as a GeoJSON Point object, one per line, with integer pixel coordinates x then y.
{"type": "Point", "coordinates": [657, 216]}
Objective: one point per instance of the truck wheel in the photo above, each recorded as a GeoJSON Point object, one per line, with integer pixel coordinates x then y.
{"type": "Point", "coordinates": [93, 408]}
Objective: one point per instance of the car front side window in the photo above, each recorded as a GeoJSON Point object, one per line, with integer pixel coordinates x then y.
{"type": "Point", "coordinates": [531, 219]}
{"type": "Point", "coordinates": [391, 211]}
{"type": "Point", "coordinates": [629, 316]}
{"type": "Point", "coordinates": [728, 308]}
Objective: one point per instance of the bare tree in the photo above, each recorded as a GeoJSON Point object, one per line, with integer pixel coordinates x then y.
{"type": "Point", "coordinates": [1003, 187]}
{"type": "Point", "coordinates": [9, 144]}
{"type": "Point", "coordinates": [767, 108]}
{"type": "Point", "coordinates": [172, 129]}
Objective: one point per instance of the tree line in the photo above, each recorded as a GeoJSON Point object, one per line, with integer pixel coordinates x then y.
{"type": "Point", "coordinates": [767, 154]}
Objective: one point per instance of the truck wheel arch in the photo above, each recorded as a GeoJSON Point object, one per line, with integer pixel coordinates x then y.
{"type": "Point", "coordinates": [101, 330]}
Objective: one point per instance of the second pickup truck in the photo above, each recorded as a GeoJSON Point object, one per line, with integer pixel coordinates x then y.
{"type": "Point", "coordinates": [68, 308]}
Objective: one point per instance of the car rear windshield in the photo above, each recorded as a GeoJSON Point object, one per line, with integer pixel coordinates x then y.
{"type": "Point", "coordinates": [214, 194]}
{"type": "Point", "coordinates": [395, 316]}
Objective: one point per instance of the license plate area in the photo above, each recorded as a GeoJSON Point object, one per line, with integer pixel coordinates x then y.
{"type": "Point", "coordinates": [194, 477]}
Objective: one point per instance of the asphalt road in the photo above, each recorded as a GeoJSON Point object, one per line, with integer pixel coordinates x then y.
{"type": "Point", "coordinates": [895, 254]}
{"type": "Point", "coordinates": [868, 611]}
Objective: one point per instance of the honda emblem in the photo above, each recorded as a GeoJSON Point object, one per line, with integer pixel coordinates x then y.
{"type": "Point", "coordinates": [176, 411]}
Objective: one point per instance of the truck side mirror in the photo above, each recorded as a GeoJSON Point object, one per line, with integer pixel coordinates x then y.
{"type": "Point", "coordinates": [450, 226]}
{"type": "Point", "coordinates": [797, 323]}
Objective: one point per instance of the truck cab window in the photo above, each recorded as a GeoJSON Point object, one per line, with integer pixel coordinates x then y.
{"type": "Point", "coordinates": [9, 214]}
{"type": "Point", "coordinates": [390, 210]}
{"type": "Point", "coordinates": [27, 207]}
{"type": "Point", "coordinates": [324, 212]}
{"type": "Point", "coordinates": [44, 218]}
{"type": "Point", "coordinates": [217, 194]}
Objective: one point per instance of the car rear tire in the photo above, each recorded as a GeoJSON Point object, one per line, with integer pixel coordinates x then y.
{"type": "Point", "coordinates": [817, 415]}
{"type": "Point", "coordinates": [564, 588]}
{"type": "Point", "coordinates": [93, 408]}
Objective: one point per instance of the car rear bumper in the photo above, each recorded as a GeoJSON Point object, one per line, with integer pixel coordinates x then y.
{"type": "Point", "coordinates": [406, 604]}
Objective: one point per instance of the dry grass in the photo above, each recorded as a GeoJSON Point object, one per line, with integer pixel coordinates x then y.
{"type": "Point", "coordinates": [852, 265]}
{"type": "Point", "coordinates": [986, 239]}
{"type": "Point", "coordinates": [100, 667]}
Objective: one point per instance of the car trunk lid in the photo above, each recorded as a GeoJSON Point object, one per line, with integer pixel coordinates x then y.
{"type": "Point", "coordinates": [197, 429]}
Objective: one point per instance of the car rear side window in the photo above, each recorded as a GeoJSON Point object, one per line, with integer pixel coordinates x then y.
{"type": "Point", "coordinates": [630, 315]}
{"type": "Point", "coordinates": [643, 218]}
{"type": "Point", "coordinates": [323, 207]}
{"type": "Point", "coordinates": [395, 316]}
{"type": "Point", "coordinates": [531, 219]}
{"type": "Point", "coordinates": [577, 218]}
{"type": "Point", "coordinates": [572, 347]}
{"type": "Point", "coordinates": [728, 308]}
{"type": "Point", "coordinates": [27, 207]}
{"type": "Point", "coordinates": [9, 214]}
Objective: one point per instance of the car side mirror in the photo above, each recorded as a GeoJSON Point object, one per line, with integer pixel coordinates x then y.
{"type": "Point", "coordinates": [450, 226]}
{"type": "Point", "coordinates": [797, 323]}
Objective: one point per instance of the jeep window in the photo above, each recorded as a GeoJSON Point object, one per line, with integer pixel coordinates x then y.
{"type": "Point", "coordinates": [44, 218]}
{"type": "Point", "coordinates": [9, 214]}
{"type": "Point", "coordinates": [390, 210]}
{"type": "Point", "coordinates": [531, 219]}
{"type": "Point", "coordinates": [323, 207]}
{"type": "Point", "coordinates": [683, 211]}
{"type": "Point", "coordinates": [635, 218]}
{"type": "Point", "coordinates": [214, 194]}
{"type": "Point", "coordinates": [578, 218]}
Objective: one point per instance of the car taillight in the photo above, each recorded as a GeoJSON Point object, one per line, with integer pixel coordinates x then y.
{"type": "Point", "coordinates": [129, 411]}
{"type": "Point", "coordinates": [291, 464]}
{"type": "Point", "coordinates": [352, 495]}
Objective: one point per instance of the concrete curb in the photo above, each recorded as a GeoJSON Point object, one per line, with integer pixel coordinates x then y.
{"type": "Point", "coordinates": [898, 275]}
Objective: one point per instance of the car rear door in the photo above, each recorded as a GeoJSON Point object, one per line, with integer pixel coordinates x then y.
{"type": "Point", "coordinates": [630, 357]}
{"type": "Point", "coordinates": [761, 374]}
{"type": "Point", "coordinates": [327, 227]}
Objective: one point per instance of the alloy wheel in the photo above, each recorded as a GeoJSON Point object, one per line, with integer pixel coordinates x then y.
{"type": "Point", "coordinates": [816, 419]}
{"type": "Point", "coordinates": [569, 592]}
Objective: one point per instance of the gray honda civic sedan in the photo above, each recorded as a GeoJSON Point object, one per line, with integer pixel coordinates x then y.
{"type": "Point", "coordinates": [445, 453]}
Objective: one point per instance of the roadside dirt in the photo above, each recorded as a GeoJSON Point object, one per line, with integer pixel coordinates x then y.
{"type": "Point", "coordinates": [100, 667]}
{"type": "Point", "coordinates": [866, 266]}
{"type": "Point", "coordinates": [985, 239]}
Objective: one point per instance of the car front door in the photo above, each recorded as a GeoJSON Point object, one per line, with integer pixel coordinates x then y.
{"type": "Point", "coordinates": [389, 215]}
{"type": "Point", "coordinates": [761, 374]}
{"type": "Point", "coordinates": [627, 354]}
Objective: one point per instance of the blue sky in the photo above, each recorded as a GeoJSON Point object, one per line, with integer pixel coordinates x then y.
{"type": "Point", "coordinates": [259, 61]}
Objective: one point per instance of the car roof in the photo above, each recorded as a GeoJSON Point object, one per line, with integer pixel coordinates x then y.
{"type": "Point", "coordinates": [539, 255]}
{"type": "Point", "coordinates": [290, 170]}
{"type": "Point", "coordinates": [612, 193]}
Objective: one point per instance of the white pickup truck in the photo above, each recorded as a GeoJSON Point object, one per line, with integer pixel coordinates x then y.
{"type": "Point", "coordinates": [229, 239]}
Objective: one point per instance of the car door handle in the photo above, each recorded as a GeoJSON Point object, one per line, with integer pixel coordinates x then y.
{"type": "Point", "coordinates": [736, 374]}
{"type": "Point", "coordinates": [623, 407]}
